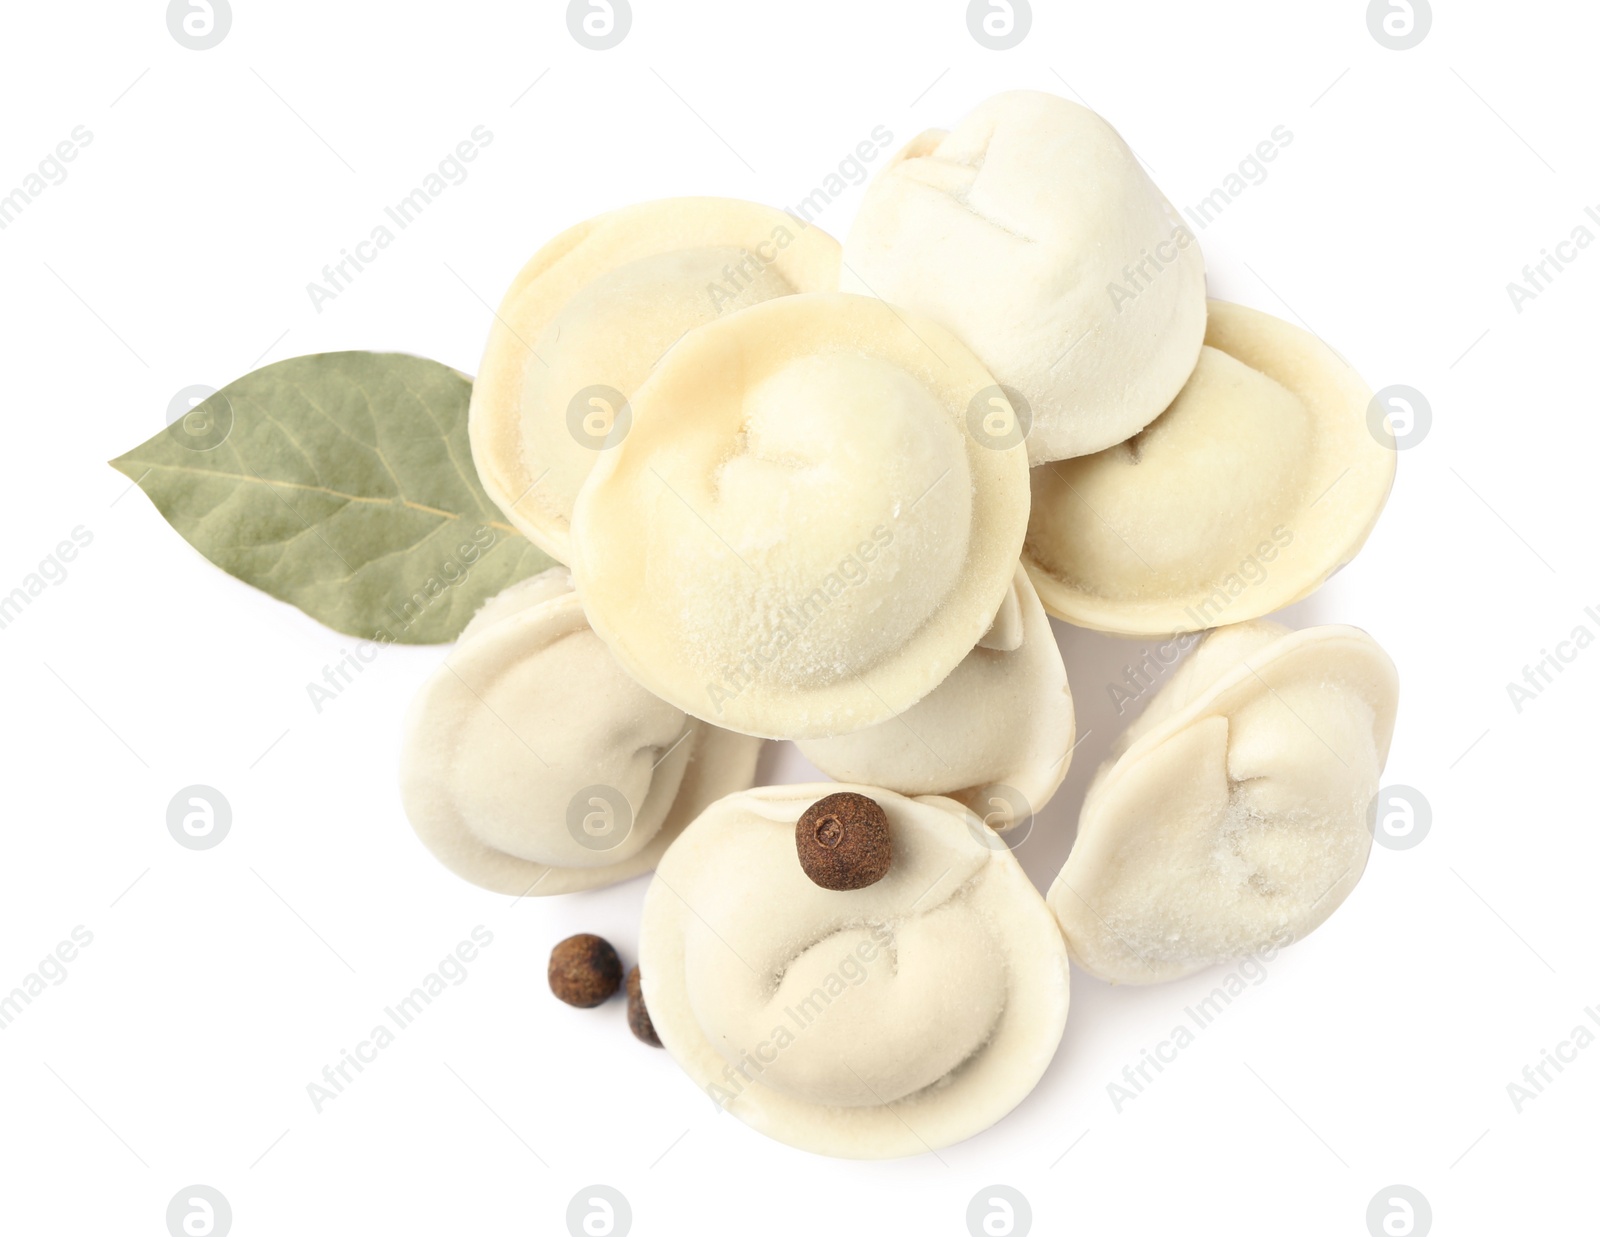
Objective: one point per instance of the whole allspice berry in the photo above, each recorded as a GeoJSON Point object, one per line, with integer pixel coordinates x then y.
{"type": "Point", "coordinates": [638, 1016]}
{"type": "Point", "coordinates": [584, 970]}
{"type": "Point", "coordinates": [843, 840]}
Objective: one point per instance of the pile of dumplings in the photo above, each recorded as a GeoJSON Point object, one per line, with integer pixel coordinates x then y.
{"type": "Point", "coordinates": [832, 495]}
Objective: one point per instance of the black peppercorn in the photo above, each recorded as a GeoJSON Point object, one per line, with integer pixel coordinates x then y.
{"type": "Point", "coordinates": [638, 1016]}
{"type": "Point", "coordinates": [584, 970]}
{"type": "Point", "coordinates": [843, 841]}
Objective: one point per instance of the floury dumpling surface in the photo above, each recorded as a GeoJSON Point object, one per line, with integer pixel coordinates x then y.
{"type": "Point", "coordinates": [868, 1023]}
{"type": "Point", "coordinates": [996, 735]}
{"type": "Point", "coordinates": [592, 313]}
{"type": "Point", "coordinates": [1233, 814]}
{"type": "Point", "coordinates": [802, 534]}
{"type": "Point", "coordinates": [533, 764]}
{"type": "Point", "coordinates": [1032, 232]}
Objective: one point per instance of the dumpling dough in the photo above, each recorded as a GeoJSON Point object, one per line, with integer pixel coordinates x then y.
{"type": "Point", "coordinates": [996, 735]}
{"type": "Point", "coordinates": [801, 535]}
{"type": "Point", "coordinates": [1031, 231]}
{"type": "Point", "coordinates": [1258, 483]}
{"type": "Point", "coordinates": [533, 764]}
{"type": "Point", "coordinates": [1233, 813]}
{"type": "Point", "coordinates": [595, 308]}
{"type": "Point", "coordinates": [878, 1022]}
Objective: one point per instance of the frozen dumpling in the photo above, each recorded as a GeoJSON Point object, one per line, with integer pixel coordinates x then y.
{"type": "Point", "coordinates": [533, 764]}
{"type": "Point", "coordinates": [1031, 231]}
{"type": "Point", "coordinates": [1260, 481]}
{"type": "Point", "coordinates": [882, 1021]}
{"type": "Point", "coordinates": [802, 534]}
{"type": "Point", "coordinates": [1233, 813]}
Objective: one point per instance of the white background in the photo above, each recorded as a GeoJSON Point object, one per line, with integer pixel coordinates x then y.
{"type": "Point", "coordinates": [219, 983]}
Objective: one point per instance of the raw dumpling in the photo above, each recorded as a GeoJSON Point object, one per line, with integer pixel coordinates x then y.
{"type": "Point", "coordinates": [883, 1021]}
{"type": "Point", "coordinates": [996, 735]}
{"type": "Point", "coordinates": [590, 315]}
{"type": "Point", "coordinates": [1234, 812]}
{"type": "Point", "coordinates": [533, 764]}
{"type": "Point", "coordinates": [1031, 231]}
{"type": "Point", "coordinates": [1258, 483]}
{"type": "Point", "coordinates": [803, 533]}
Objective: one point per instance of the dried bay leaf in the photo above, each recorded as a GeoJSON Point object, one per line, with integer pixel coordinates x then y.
{"type": "Point", "coordinates": [341, 483]}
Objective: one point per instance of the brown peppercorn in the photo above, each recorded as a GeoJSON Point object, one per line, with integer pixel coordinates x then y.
{"type": "Point", "coordinates": [584, 970]}
{"type": "Point", "coordinates": [638, 1016]}
{"type": "Point", "coordinates": [843, 840]}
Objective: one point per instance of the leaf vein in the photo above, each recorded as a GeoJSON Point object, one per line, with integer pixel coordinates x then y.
{"type": "Point", "coordinates": [331, 493]}
{"type": "Point", "coordinates": [372, 446]}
